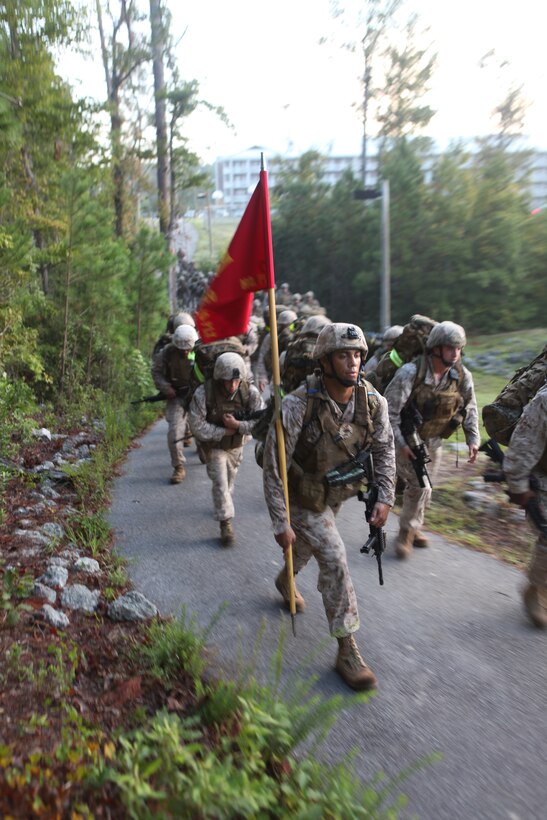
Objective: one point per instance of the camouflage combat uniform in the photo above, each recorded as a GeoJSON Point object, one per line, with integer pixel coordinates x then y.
{"type": "Point", "coordinates": [526, 456]}
{"type": "Point", "coordinates": [398, 393]}
{"type": "Point", "coordinates": [171, 369]}
{"type": "Point", "coordinates": [223, 453]}
{"type": "Point", "coordinates": [316, 531]}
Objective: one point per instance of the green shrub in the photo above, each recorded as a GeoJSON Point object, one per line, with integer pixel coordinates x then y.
{"type": "Point", "coordinates": [17, 405]}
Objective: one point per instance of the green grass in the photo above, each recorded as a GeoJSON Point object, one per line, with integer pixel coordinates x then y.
{"type": "Point", "coordinates": [516, 341]}
{"type": "Point", "coordinates": [222, 231]}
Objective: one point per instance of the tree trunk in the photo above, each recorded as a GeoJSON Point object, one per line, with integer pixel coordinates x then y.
{"type": "Point", "coordinates": [158, 44]}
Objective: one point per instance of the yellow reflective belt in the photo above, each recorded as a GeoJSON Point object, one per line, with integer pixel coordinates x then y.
{"type": "Point", "coordinates": [395, 358]}
{"type": "Point", "coordinates": [198, 373]}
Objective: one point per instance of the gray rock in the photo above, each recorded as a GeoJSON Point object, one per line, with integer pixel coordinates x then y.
{"type": "Point", "coordinates": [26, 522]}
{"type": "Point", "coordinates": [43, 433]}
{"type": "Point", "coordinates": [54, 617]}
{"type": "Point", "coordinates": [71, 554]}
{"type": "Point", "coordinates": [88, 565]}
{"type": "Point", "coordinates": [48, 491]}
{"type": "Point", "coordinates": [83, 452]}
{"type": "Point", "coordinates": [132, 606]}
{"type": "Point", "coordinates": [34, 536]}
{"type": "Point", "coordinates": [54, 576]}
{"type": "Point", "coordinates": [44, 467]}
{"type": "Point", "coordinates": [477, 501]}
{"type": "Point", "coordinates": [518, 515]}
{"type": "Point", "coordinates": [76, 596]}
{"type": "Point", "coordinates": [68, 511]}
{"type": "Point", "coordinates": [42, 591]}
{"type": "Point", "coordinates": [53, 530]}
{"type": "Point", "coordinates": [29, 552]}
{"type": "Point", "coordinates": [58, 561]}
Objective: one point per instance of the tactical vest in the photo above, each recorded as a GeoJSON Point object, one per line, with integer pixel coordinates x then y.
{"type": "Point", "coordinates": [441, 410]}
{"type": "Point", "coordinates": [326, 443]}
{"type": "Point", "coordinates": [218, 403]}
{"type": "Point", "coordinates": [178, 368]}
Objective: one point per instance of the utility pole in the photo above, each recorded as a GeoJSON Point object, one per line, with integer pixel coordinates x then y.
{"type": "Point", "coordinates": [385, 290]}
{"type": "Point", "coordinates": [209, 229]}
{"type": "Point", "coordinates": [385, 276]}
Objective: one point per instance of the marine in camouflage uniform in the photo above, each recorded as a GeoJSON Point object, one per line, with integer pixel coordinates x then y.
{"type": "Point", "coordinates": [172, 375]}
{"type": "Point", "coordinates": [285, 330]}
{"type": "Point", "coordinates": [220, 434]}
{"type": "Point", "coordinates": [326, 422]}
{"type": "Point", "coordinates": [442, 391]}
{"type": "Point", "coordinates": [526, 456]}
{"type": "Point", "coordinates": [389, 338]}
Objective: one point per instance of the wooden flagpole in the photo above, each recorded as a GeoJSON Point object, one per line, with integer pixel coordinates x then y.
{"type": "Point", "coordinates": [276, 373]}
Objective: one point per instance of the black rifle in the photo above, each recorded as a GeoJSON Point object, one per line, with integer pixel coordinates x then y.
{"type": "Point", "coordinates": [411, 418]}
{"type": "Point", "coordinates": [376, 542]}
{"type": "Point", "coordinates": [250, 415]}
{"type": "Point", "coordinates": [361, 468]}
{"type": "Point", "coordinates": [492, 449]}
{"type": "Point", "coordinates": [181, 393]}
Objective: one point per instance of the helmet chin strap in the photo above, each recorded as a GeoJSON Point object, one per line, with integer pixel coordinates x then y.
{"type": "Point", "coordinates": [333, 375]}
{"type": "Point", "coordinates": [439, 356]}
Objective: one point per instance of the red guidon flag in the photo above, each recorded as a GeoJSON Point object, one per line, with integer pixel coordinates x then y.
{"type": "Point", "coordinates": [247, 266]}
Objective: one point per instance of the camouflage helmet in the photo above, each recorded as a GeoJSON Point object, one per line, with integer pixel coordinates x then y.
{"type": "Point", "coordinates": [392, 333]}
{"type": "Point", "coordinates": [184, 337]}
{"type": "Point", "coordinates": [315, 324]}
{"type": "Point", "coordinates": [446, 333]}
{"type": "Point", "coordinates": [286, 317]}
{"type": "Point", "coordinates": [183, 319]}
{"type": "Point", "coordinates": [229, 366]}
{"type": "Point", "coordinates": [339, 336]}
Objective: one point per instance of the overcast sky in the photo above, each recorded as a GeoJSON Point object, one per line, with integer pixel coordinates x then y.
{"type": "Point", "coordinates": [263, 62]}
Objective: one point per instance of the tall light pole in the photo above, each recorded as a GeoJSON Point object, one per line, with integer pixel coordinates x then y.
{"type": "Point", "coordinates": [385, 290]}
{"type": "Point", "coordinates": [385, 275]}
{"type": "Point", "coordinates": [209, 229]}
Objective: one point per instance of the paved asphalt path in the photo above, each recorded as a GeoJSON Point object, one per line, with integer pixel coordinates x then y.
{"type": "Point", "coordinates": [460, 670]}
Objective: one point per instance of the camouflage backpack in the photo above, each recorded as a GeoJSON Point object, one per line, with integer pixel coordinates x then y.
{"type": "Point", "coordinates": [501, 417]}
{"type": "Point", "coordinates": [411, 343]}
{"type": "Point", "coordinates": [299, 362]}
{"type": "Point", "coordinates": [207, 354]}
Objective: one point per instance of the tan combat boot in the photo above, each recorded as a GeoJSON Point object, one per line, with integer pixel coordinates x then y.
{"type": "Point", "coordinates": [351, 666]}
{"type": "Point", "coordinates": [420, 540]}
{"type": "Point", "coordinates": [282, 585]}
{"type": "Point", "coordinates": [227, 534]}
{"type": "Point", "coordinates": [403, 544]}
{"type": "Point", "coordinates": [535, 604]}
{"type": "Point", "coordinates": [178, 474]}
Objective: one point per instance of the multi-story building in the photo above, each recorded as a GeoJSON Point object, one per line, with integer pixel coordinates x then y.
{"type": "Point", "coordinates": [236, 175]}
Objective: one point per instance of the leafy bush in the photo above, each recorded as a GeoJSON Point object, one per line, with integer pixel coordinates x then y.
{"type": "Point", "coordinates": [237, 755]}
{"type": "Point", "coordinates": [17, 404]}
